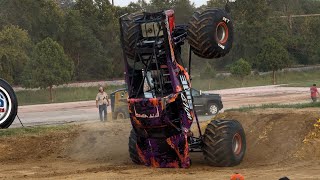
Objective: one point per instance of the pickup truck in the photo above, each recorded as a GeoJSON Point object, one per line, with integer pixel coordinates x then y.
{"type": "Point", "coordinates": [206, 103]}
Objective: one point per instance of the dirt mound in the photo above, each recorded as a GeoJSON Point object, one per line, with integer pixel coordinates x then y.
{"type": "Point", "coordinates": [280, 143]}
{"type": "Point", "coordinates": [277, 136]}
{"type": "Point", "coordinates": [274, 136]}
{"type": "Point", "coordinates": [36, 147]}
{"type": "Point", "coordinates": [102, 142]}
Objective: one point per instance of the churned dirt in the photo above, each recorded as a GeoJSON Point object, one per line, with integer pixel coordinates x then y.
{"type": "Point", "coordinates": [280, 142]}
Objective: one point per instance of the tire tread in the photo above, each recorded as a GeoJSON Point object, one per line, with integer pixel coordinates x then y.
{"type": "Point", "coordinates": [200, 34]}
{"type": "Point", "coordinates": [217, 139]}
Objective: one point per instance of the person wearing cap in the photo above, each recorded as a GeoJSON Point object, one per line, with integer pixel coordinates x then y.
{"type": "Point", "coordinates": [284, 178]}
{"type": "Point", "coordinates": [102, 101]}
{"type": "Point", "coordinates": [314, 92]}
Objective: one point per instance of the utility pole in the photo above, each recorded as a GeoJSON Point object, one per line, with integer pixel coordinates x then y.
{"type": "Point", "coordinates": [112, 2]}
{"type": "Point", "coordinates": [301, 15]}
{"type": "Point", "coordinates": [291, 16]}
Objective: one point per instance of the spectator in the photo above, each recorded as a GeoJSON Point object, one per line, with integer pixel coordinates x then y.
{"type": "Point", "coordinates": [314, 92]}
{"type": "Point", "coordinates": [284, 178]}
{"type": "Point", "coordinates": [237, 176]}
{"type": "Point", "coordinates": [102, 101]}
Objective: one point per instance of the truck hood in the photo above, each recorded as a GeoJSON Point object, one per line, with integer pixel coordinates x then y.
{"type": "Point", "coordinates": [210, 94]}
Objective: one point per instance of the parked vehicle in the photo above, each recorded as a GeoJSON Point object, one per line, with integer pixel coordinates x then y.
{"type": "Point", "coordinates": [119, 104]}
{"type": "Point", "coordinates": [206, 103]}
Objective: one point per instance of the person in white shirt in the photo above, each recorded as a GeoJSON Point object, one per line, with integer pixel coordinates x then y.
{"type": "Point", "coordinates": [102, 101]}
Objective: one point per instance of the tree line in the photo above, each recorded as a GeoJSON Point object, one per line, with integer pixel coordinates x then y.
{"type": "Point", "coordinates": [78, 40]}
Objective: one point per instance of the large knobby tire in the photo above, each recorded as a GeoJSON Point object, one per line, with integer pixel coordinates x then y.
{"type": "Point", "coordinates": [224, 143]}
{"type": "Point", "coordinates": [210, 33]}
{"type": "Point", "coordinates": [131, 33]}
{"type": "Point", "coordinates": [133, 148]}
{"type": "Point", "coordinates": [8, 104]}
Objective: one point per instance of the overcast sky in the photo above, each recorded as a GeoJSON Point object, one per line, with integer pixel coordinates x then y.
{"type": "Point", "coordinates": [126, 2]}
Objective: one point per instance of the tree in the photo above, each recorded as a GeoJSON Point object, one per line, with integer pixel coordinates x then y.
{"type": "Point", "coordinates": [14, 52]}
{"type": "Point", "coordinates": [183, 10]}
{"type": "Point", "coordinates": [6, 69]}
{"type": "Point", "coordinates": [273, 57]}
{"type": "Point", "coordinates": [65, 4]}
{"type": "Point", "coordinates": [88, 30]}
{"type": "Point", "coordinates": [99, 40]}
{"type": "Point", "coordinates": [159, 5]}
{"type": "Point", "coordinates": [217, 3]}
{"type": "Point", "coordinates": [48, 66]}
{"type": "Point", "coordinates": [250, 30]}
{"type": "Point", "coordinates": [141, 5]}
{"type": "Point", "coordinates": [90, 58]}
{"type": "Point", "coordinates": [41, 18]}
{"type": "Point", "coordinates": [208, 72]}
{"type": "Point", "coordinates": [241, 69]}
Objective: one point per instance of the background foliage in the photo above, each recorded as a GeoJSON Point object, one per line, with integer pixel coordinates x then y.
{"type": "Point", "coordinates": [88, 31]}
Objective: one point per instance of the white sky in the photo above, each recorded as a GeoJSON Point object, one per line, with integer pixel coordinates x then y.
{"type": "Point", "coordinates": [126, 2]}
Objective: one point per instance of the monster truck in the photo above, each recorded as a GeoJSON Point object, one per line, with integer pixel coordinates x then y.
{"type": "Point", "coordinates": [8, 104]}
{"type": "Point", "coordinates": [160, 101]}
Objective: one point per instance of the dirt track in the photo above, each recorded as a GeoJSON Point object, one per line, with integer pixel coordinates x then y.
{"type": "Point", "coordinates": [280, 143]}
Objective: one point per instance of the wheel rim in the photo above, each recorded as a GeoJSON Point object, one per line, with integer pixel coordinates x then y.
{"type": "Point", "coordinates": [222, 32]}
{"type": "Point", "coordinates": [213, 109]}
{"type": "Point", "coordinates": [5, 105]}
{"type": "Point", "coordinates": [237, 144]}
{"type": "Point", "coordinates": [120, 116]}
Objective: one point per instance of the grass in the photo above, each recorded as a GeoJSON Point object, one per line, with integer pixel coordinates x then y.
{"type": "Point", "coordinates": [293, 79]}
{"type": "Point", "coordinates": [61, 95]}
{"type": "Point", "coordinates": [32, 130]}
{"type": "Point", "coordinates": [267, 106]}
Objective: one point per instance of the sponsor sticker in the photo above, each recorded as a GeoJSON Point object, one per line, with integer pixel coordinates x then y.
{"type": "Point", "coordinates": [3, 105]}
{"type": "Point", "coordinates": [186, 98]}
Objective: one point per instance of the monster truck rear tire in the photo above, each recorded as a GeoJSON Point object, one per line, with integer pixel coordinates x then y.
{"type": "Point", "coordinates": [131, 32]}
{"type": "Point", "coordinates": [224, 143]}
{"type": "Point", "coordinates": [210, 33]}
{"type": "Point", "coordinates": [133, 148]}
{"type": "Point", "coordinates": [8, 105]}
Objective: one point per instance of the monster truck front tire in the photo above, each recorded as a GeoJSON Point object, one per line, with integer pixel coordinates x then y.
{"type": "Point", "coordinates": [131, 32]}
{"type": "Point", "coordinates": [210, 33]}
{"type": "Point", "coordinates": [8, 105]}
{"type": "Point", "coordinates": [224, 143]}
{"type": "Point", "coordinates": [133, 148]}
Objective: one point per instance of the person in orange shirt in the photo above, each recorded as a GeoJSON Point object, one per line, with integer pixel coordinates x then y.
{"type": "Point", "coordinates": [314, 92]}
{"type": "Point", "coordinates": [237, 176]}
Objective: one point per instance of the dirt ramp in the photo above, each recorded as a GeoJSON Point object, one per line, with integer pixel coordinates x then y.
{"type": "Point", "coordinates": [276, 136]}
{"type": "Point", "coordinates": [310, 149]}
{"type": "Point", "coordinates": [102, 142]}
{"type": "Point", "coordinates": [46, 144]}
